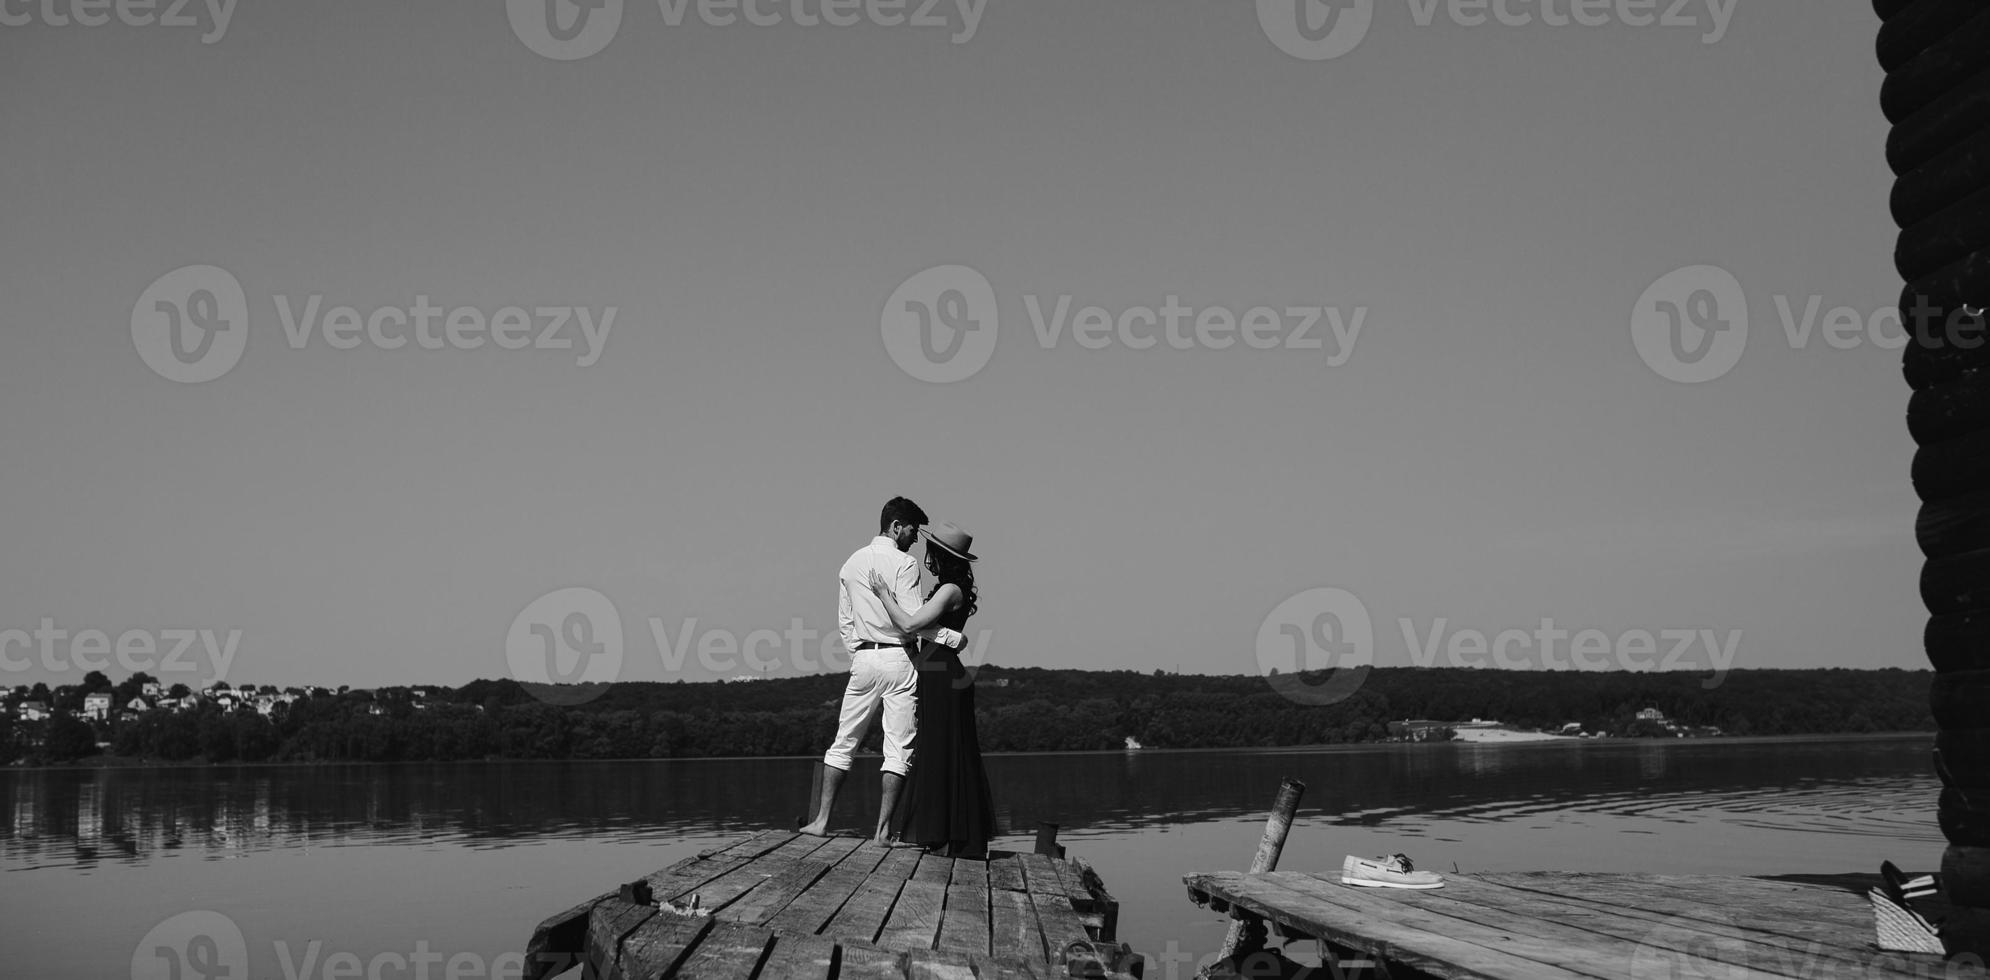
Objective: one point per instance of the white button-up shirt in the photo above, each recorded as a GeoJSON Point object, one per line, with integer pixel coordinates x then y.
{"type": "Point", "coordinates": [859, 614]}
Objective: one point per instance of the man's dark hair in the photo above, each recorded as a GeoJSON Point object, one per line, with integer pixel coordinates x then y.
{"type": "Point", "coordinates": [901, 510]}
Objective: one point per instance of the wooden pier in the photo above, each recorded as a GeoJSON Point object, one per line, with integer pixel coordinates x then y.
{"type": "Point", "coordinates": [1566, 927]}
{"type": "Point", "coordinates": [784, 905]}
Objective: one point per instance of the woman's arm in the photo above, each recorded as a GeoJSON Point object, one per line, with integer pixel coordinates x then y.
{"type": "Point", "coordinates": [925, 616]}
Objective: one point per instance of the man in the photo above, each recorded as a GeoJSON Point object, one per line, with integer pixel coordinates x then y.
{"type": "Point", "coordinates": [882, 677]}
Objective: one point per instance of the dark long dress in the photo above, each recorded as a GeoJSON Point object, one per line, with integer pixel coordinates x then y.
{"type": "Point", "coordinates": [947, 802]}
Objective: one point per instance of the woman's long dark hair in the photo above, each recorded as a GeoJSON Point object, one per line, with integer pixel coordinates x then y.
{"type": "Point", "coordinates": [947, 568]}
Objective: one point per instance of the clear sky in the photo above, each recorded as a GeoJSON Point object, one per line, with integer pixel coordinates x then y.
{"type": "Point", "coordinates": [1493, 200]}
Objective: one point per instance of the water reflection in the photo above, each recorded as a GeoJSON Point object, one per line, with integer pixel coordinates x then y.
{"type": "Point", "coordinates": [79, 818]}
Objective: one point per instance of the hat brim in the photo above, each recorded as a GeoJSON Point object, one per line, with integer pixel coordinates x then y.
{"type": "Point", "coordinates": [942, 545]}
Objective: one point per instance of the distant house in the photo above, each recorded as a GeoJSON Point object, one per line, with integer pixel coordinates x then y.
{"type": "Point", "coordinates": [1572, 728]}
{"type": "Point", "coordinates": [33, 711]}
{"type": "Point", "coordinates": [138, 704]}
{"type": "Point", "coordinates": [1651, 714]}
{"type": "Point", "coordinates": [151, 689]}
{"type": "Point", "coordinates": [97, 706]}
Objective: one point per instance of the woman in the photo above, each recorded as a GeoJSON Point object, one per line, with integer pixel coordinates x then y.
{"type": "Point", "coordinates": [946, 805]}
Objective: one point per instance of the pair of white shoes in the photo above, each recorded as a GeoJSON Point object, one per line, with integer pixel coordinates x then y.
{"type": "Point", "coordinates": [1393, 871]}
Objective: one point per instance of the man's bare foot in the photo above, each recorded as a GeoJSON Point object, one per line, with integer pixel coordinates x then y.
{"type": "Point", "coordinates": [819, 827]}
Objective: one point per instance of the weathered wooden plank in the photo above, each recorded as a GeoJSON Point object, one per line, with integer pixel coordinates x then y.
{"type": "Point", "coordinates": [1040, 876]}
{"type": "Point", "coordinates": [728, 951]}
{"type": "Point", "coordinates": [914, 922]}
{"type": "Point", "coordinates": [656, 946]}
{"type": "Point", "coordinates": [1013, 929]}
{"type": "Point", "coordinates": [855, 962]}
{"type": "Point", "coordinates": [863, 916]}
{"type": "Point", "coordinates": [1072, 881]}
{"type": "Point", "coordinates": [557, 942]}
{"type": "Point", "coordinates": [799, 958]}
{"type": "Point", "coordinates": [934, 870]}
{"type": "Point", "coordinates": [927, 964]}
{"type": "Point", "coordinates": [679, 881]}
{"type": "Point", "coordinates": [900, 863]}
{"type": "Point", "coordinates": [1005, 872]}
{"type": "Point", "coordinates": [970, 871]}
{"type": "Point", "coordinates": [606, 926]}
{"type": "Point", "coordinates": [1798, 941]}
{"type": "Point", "coordinates": [767, 900]}
{"type": "Point", "coordinates": [1524, 932]}
{"type": "Point", "coordinates": [998, 968]}
{"type": "Point", "coordinates": [964, 927]}
{"type": "Point", "coordinates": [1059, 920]}
{"type": "Point", "coordinates": [1413, 946]}
{"type": "Point", "coordinates": [729, 887]}
{"type": "Point", "coordinates": [817, 904]}
{"type": "Point", "coordinates": [1785, 908]}
{"type": "Point", "coordinates": [752, 845]}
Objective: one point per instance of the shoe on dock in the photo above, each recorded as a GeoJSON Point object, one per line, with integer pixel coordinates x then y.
{"type": "Point", "coordinates": [1393, 871]}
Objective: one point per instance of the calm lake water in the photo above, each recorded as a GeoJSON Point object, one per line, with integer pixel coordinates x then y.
{"type": "Point", "coordinates": [385, 864]}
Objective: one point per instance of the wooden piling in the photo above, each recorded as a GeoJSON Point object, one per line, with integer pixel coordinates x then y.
{"type": "Point", "coordinates": [1046, 840]}
{"type": "Point", "coordinates": [1247, 936]}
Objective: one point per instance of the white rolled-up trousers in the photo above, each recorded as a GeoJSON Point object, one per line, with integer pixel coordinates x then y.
{"type": "Point", "coordinates": [882, 681]}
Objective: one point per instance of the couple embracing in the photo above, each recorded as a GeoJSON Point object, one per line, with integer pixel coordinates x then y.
{"type": "Point", "coordinates": [905, 664]}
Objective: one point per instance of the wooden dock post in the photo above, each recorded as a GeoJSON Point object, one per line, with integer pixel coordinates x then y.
{"type": "Point", "coordinates": [1046, 840]}
{"type": "Point", "coordinates": [1247, 936]}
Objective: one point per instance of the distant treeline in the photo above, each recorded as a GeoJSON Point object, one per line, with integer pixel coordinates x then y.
{"type": "Point", "coordinates": [1027, 709]}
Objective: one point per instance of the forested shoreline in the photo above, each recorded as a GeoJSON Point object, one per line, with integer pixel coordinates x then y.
{"type": "Point", "coordinates": [1019, 710]}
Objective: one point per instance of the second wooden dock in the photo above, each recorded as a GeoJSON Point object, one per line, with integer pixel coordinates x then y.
{"type": "Point", "coordinates": [1546, 926]}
